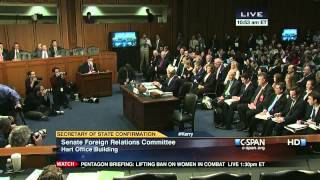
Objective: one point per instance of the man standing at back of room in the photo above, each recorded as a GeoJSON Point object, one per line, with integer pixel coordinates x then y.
{"type": "Point", "coordinates": [145, 44]}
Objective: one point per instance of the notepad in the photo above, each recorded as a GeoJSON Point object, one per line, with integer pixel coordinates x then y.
{"type": "Point", "coordinates": [263, 116]}
{"type": "Point", "coordinates": [314, 127]}
{"type": "Point", "coordinates": [229, 101]}
{"type": "Point", "coordinates": [295, 127]}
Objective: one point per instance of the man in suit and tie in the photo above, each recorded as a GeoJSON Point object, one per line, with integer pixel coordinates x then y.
{"type": "Point", "coordinates": [307, 75]}
{"type": "Point", "coordinates": [158, 43]}
{"type": "Point", "coordinates": [54, 49]}
{"type": "Point", "coordinates": [88, 67]}
{"type": "Point", "coordinates": [37, 52]}
{"type": "Point", "coordinates": [249, 110]}
{"type": "Point", "coordinates": [45, 54]}
{"type": "Point", "coordinates": [178, 59]}
{"type": "Point", "coordinates": [219, 75]}
{"type": "Point", "coordinates": [272, 105]}
{"type": "Point", "coordinates": [243, 97]}
{"type": "Point", "coordinates": [312, 115]}
{"type": "Point", "coordinates": [293, 110]}
{"type": "Point", "coordinates": [14, 54]}
{"type": "Point", "coordinates": [172, 82]}
{"type": "Point", "coordinates": [232, 89]}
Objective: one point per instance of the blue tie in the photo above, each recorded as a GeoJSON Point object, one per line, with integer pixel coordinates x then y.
{"type": "Point", "coordinates": [273, 103]}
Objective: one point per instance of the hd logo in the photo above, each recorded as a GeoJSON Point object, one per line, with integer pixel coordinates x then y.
{"type": "Point", "coordinates": [251, 144]}
{"type": "Point", "coordinates": [297, 142]}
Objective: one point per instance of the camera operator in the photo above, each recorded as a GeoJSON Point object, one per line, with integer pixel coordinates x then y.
{"type": "Point", "coordinates": [9, 101]}
{"type": "Point", "coordinates": [5, 128]}
{"type": "Point", "coordinates": [37, 104]}
{"type": "Point", "coordinates": [21, 136]}
{"type": "Point", "coordinates": [59, 86]}
{"type": "Point", "coordinates": [31, 81]}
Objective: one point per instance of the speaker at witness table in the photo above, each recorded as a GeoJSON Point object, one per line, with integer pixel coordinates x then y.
{"type": "Point", "coordinates": [95, 84]}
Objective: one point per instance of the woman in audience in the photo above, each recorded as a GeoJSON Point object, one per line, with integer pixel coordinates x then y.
{"type": "Point", "coordinates": [233, 69]}
{"type": "Point", "coordinates": [277, 78]}
{"type": "Point", "coordinates": [187, 73]}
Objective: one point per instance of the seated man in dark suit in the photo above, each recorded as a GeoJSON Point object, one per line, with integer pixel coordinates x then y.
{"type": "Point", "coordinates": [88, 67]}
{"type": "Point", "coordinates": [243, 97]}
{"type": "Point", "coordinates": [307, 75]}
{"type": "Point", "coordinates": [54, 49]}
{"type": "Point", "coordinates": [14, 54]}
{"type": "Point", "coordinates": [232, 89]}
{"type": "Point", "coordinates": [172, 82]}
{"type": "Point", "coordinates": [293, 110]}
{"type": "Point", "coordinates": [37, 52]}
{"type": "Point", "coordinates": [207, 83]}
{"type": "Point", "coordinates": [249, 110]}
{"type": "Point", "coordinates": [273, 104]}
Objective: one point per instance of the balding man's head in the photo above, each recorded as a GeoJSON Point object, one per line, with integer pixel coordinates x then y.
{"type": "Point", "coordinates": [217, 62]}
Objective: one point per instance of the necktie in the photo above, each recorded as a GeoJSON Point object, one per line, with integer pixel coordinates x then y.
{"type": "Point", "coordinates": [227, 92]}
{"type": "Point", "coordinates": [273, 103]}
{"type": "Point", "coordinates": [90, 67]}
{"type": "Point", "coordinates": [258, 95]}
{"type": "Point", "coordinates": [292, 104]}
{"type": "Point", "coordinates": [16, 54]}
{"type": "Point", "coordinates": [313, 114]}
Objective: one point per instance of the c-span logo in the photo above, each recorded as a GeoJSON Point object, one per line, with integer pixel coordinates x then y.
{"type": "Point", "coordinates": [251, 144]}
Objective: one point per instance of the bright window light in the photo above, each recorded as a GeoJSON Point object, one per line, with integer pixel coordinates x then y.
{"type": "Point", "coordinates": [95, 11]}
{"type": "Point", "coordinates": [38, 10]}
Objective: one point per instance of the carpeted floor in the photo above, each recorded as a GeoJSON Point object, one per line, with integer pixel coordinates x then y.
{"type": "Point", "coordinates": [108, 115]}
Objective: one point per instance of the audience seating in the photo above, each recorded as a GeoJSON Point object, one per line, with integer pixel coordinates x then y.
{"type": "Point", "coordinates": [184, 89]}
{"type": "Point", "coordinates": [92, 50]}
{"type": "Point", "coordinates": [78, 51]}
{"type": "Point", "coordinates": [223, 176]}
{"type": "Point", "coordinates": [187, 113]}
{"type": "Point", "coordinates": [149, 176]}
{"type": "Point", "coordinates": [291, 175]}
{"type": "Point", "coordinates": [64, 52]}
{"type": "Point", "coordinates": [25, 55]}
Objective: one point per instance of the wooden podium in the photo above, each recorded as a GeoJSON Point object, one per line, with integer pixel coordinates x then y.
{"type": "Point", "coordinates": [95, 84]}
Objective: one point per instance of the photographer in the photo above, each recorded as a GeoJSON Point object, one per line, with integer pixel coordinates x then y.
{"type": "Point", "coordinates": [59, 87]}
{"type": "Point", "coordinates": [21, 136]}
{"type": "Point", "coordinates": [31, 81]}
{"type": "Point", "coordinates": [9, 101]}
{"type": "Point", "coordinates": [37, 104]}
{"type": "Point", "coordinates": [5, 128]}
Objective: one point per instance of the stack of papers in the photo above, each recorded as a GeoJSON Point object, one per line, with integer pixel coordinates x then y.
{"type": "Point", "coordinates": [149, 85]}
{"type": "Point", "coordinates": [167, 94]}
{"type": "Point", "coordinates": [156, 91]}
{"type": "Point", "coordinates": [34, 175]}
{"type": "Point", "coordinates": [295, 127]}
{"type": "Point", "coordinates": [314, 127]}
{"type": "Point", "coordinates": [263, 116]}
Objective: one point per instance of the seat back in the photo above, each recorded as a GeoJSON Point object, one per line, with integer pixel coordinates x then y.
{"type": "Point", "coordinates": [64, 52]}
{"type": "Point", "coordinates": [184, 89]}
{"type": "Point", "coordinates": [189, 103]}
{"type": "Point", "coordinates": [92, 50]}
{"type": "Point", "coordinates": [25, 55]}
{"type": "Point", "coordinates": [223, 176]}
{"type": "Point", "coordinates": [78, 51]}
{"type": "Point", "coordinates": [290, 175]}
{"type": "Point", "coordinates": [149, 176]}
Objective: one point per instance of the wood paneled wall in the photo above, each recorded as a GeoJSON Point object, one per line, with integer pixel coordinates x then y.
{"type": "Point", "coordinates": [188, 16]}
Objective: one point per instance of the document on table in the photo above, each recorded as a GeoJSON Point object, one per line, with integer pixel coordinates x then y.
{"type": "Point", "coordinates": [34, 175]}
{"type": "Point", "coordinates": [263, 116]}
{"type": "Point", "coordinates": [83, 176]}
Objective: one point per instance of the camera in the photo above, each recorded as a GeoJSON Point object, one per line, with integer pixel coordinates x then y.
{"type": "Point", "coordinates": [39, 78]}
{"type": "Point", "coordinates": [41, 132]}
{"type": "Point", "coordinates": [63, 73]}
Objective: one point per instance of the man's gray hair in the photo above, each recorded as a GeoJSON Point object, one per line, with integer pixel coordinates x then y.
{"type": "Point", "coordinates": [19, 136]}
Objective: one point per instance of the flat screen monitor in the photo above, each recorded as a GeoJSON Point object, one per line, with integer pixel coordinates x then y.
{"type": "Point", "coordinates": [124, 39]}
{"type": "Point", "coordinates": [289, 34]}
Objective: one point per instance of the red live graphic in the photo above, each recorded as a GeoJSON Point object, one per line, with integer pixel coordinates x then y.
{"type": "Point", "coordinates": [67, 164]}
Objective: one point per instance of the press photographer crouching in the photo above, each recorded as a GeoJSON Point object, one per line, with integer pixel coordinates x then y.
{"type": "Point", "coordinates": [5, 128]}
{"type": "Point", "coordinates": [37, 104]}
{"type": "Point", "coordinates": [21, 136]}
{"type": "Point", "coordinates": [31, 81]}
{"type": "Point", "coordinates": [59, 87]}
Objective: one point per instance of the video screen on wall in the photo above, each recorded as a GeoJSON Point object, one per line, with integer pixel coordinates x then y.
{"type": "Point", "coordinates": [124, 39]}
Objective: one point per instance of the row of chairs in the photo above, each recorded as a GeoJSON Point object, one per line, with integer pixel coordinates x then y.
{"type": "Point", "coordinates": [65, 52]}
{"type": "Point", "coordinates": [281, 175]}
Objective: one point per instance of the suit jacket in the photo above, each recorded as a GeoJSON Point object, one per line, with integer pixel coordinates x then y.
{"type": "Point", "coordinates": [279, 105]}
{"type": "Point", "coordinates": [246, 94]}
{"type": "Point", "coordinates": [160, 44]}
{"type": "Point", "coordinates": [308, 113]}
{"type": "Point", "coordinates": [38, 54]}
{"type": "Point", "coordinates": [5, 55]}
{"type": "Point", "coordinates": [262, 97]}
{"type": "Point", "coordinates": [11, 54]}
{"type": "Point", "coordinates": [234, 89]}
{"type": "Point", "coordinates": [173, 86]}
{"type": "Point", "coordinates": [162, 66]}
{"type": "Point", "coordinates": [209, 83]}
{"type": "Point", "coordinates": [293, 114]}
{"type": "Point", "coordinates": [303, 81]}
{"type": "Point", "coordinates": [52, 53]}
{"type": "Point", "coordinates": [84, 68]}
{"type": "Point", "coordinates": [199, 76]}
